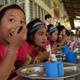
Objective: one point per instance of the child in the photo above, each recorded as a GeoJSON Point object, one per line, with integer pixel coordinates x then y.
{"type": "Point", "coordinates": [37, 37]}
{"type": "Point", "coordinates": [53, 35]}
{"type": "Point", "coordinates": [12, 39]}
{"type": "Point", "coordinates": [73, 44]}
{"type": "Point", "coordinates": [63, 34]}
{"type": "Point", "coordinates": [48, 19]}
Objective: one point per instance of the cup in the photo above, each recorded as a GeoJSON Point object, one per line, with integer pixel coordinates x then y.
{"type": "Point", "coordinates": [54, 69]}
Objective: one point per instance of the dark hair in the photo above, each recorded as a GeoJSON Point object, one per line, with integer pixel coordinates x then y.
{"type": "Point", "coordinates": [5, 8]}
{"type": "Point", "coordinates": [49, 26]}
{"type": "Point", "coordinates": [30, 34]}
{"type": "Point", "coordinates": [60, 28]}
{"type": "Point", "coordinates": [68, 33]}
{"type": "Point", "coordinates": [47, 16]}
{"type": "Point", "coordinates": [72, 34]}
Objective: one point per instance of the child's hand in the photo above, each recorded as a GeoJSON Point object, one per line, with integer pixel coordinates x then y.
{"type": "Point", "coordinates": [36, 60]}
{"type": "Point", "coordinates": [28, 60]}
{"type": "Point", "coordinates": [14, 69]}
{"type": "Point", "coordinates": [16, 39]}
{"type": "Point", "coordinates": [54, 51]}
{"type": "Point", "coordinates": [41, 57]}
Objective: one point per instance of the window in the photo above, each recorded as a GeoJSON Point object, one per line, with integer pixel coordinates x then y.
{"type": "Point", "coordinates": [6, 1]}
{"type": "Point", "coordinates": [42, 15]}
{"type": "Point", "coordinates": [31, 9]}
{"type": "Point", "coordinates": [21, 0]}
{"type": "Point", "coordinates": [2, 2]}
{"type": "Point", "coordinates": [36, 11]}
{"type": "Point", "coordinates": [22, 5]}
{"type": "Point", "coordinates": [13, 1]}
{"type": "Point", "coordinates": [76, 23]}
{"type": "Point", "coordinates": [35, 5]}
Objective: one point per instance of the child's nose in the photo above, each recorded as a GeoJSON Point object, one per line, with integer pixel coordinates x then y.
{"type": "Point", "coordinates": [45, 38]}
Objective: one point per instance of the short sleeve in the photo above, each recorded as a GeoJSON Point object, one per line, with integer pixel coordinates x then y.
{"type": "Point", "coordinates": [23, 52]}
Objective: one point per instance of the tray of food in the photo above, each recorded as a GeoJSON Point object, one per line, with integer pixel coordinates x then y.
{"type": "Point", "coordinates": [37, 71]}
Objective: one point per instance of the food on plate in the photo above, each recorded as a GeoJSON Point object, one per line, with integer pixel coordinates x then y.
{"type": "Point", "coordinates": [28, 71]}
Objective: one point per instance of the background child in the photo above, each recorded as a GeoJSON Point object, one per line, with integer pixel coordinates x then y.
{"type": "Point", "coordinates": [53, 35]}
{"type": "Point", "coordinates": [48, 19]}
{"type": "Point", "coordinates": [73, 43]}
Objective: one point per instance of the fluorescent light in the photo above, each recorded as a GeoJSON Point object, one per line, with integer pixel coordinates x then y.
{"type": "Point", "coordinates": [77, 16]}
{"type": "Point", "coordinates": [77, 23]}
{"type": "Point", "coordinates": [74, 31]}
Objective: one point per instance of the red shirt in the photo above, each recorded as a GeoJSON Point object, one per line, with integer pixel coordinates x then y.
{"type": "Point", "coordinates": [24, 50]}
{"type": "Point", "coordinates": [35, 52]}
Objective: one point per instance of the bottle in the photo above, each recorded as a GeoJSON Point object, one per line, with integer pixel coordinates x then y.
{"type": "Point", "coordinates": [52, 57]}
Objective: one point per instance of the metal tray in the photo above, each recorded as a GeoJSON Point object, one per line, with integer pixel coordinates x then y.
{"type": "Point", "coordinates": [42, 75]}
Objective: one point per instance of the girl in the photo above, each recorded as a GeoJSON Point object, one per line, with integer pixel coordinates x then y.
{"type": "Point", "coordinates": [37, 37]}
{"type": "Point", "coordinates": [53, 35]}
{"type": "Point", "coordinates": [62, 35]}
{"type": "Point", "coordinates": [12, 38]}
{"type": "Point", "coordinates": [74, 43]}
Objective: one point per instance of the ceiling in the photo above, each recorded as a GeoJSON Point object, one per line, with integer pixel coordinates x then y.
{"type": "Point", "coordinates": [73, 9]}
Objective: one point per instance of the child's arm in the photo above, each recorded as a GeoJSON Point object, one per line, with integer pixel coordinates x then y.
{"type": "Point", "coordinates": [7, 65]}
{"type": "Point", "coordinates": [15, 41]}
{"type": "Point", "coordinates": [41, 57]}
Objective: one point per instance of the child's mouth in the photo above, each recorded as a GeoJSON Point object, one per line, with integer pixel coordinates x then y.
{"type": "Point", "coordinates": [44, 42]}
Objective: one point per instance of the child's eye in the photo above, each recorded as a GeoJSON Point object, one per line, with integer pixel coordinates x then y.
{"type": "Point", "coordinates": [41, 33]}
{"type": "Point", "coordinates": [23, 22]}
{"type": "Point", "coordinates": [11, 20]}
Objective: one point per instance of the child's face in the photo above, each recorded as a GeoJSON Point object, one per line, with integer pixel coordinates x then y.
{"type": "Point", "coordinates": [54, 36]}
{"type": "Point", "coordinates": [64, 32]}
{"type": "Point", "coordinates": [13, 19]}
{"type": "Point", "coordinates": [67, 39]}
{"type": "Point", "coordinates": [60, 36]}
{"type": "Point", "coordinates": [73, 38]}
{"type": "Point", "coordinates": [49, 20]}
{"type": "Point", "coordinates": [40, 37]}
